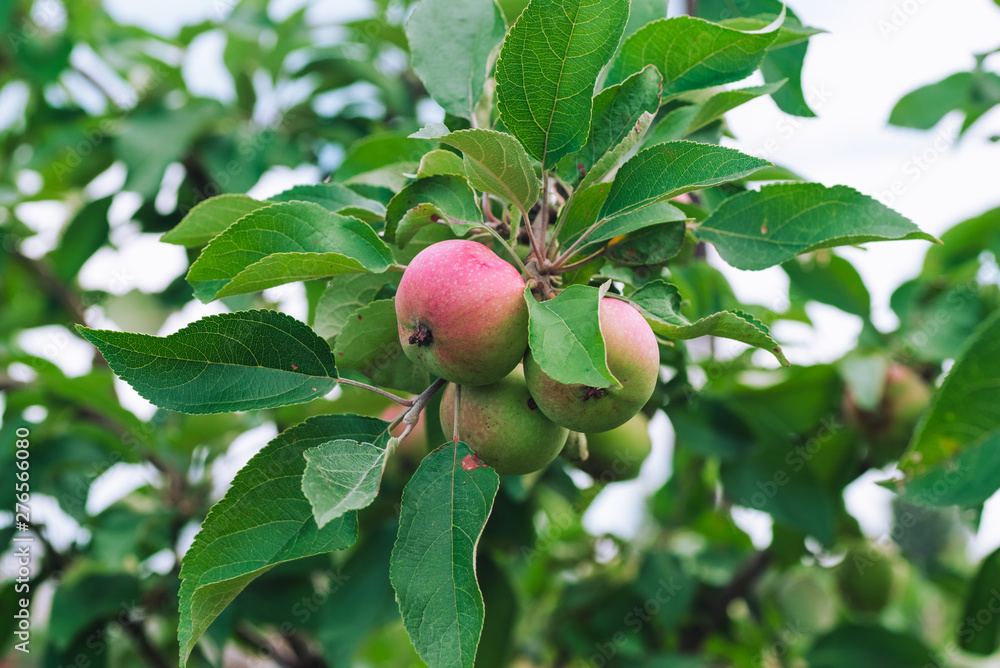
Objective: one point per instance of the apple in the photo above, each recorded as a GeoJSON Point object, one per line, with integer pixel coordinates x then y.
{"type": "Point", "coordinates": [618, 454]}
{"type": "Point", "coordinates": [889, 428]}
{"type": "Point", "coordinates": [503, 426]}
{"type": "Point", "coordinates": [461, 313]}
{"type": "Point", "coordinates": [865, 578]}
{"type": "Point", "coordinates": [633, 358]}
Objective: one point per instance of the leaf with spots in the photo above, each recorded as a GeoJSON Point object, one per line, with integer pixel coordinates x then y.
{"type": "Point", "coordinates": [222, 363]}
{"type": "Point", "coordinates": [548, 66]}
{"type": "Point", "coordinates": [433, 566]}
{"type": "Point", "coordinates": [660, 304]}
{"type": "Point", "coordinates": [760, 229]}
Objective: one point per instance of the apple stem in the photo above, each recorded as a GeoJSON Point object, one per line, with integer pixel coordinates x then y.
{"type": "Point", "coordinates": [366, 386]}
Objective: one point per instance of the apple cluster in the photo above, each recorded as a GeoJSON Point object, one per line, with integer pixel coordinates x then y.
{"type": "Point", "coordinates": [462, 316]}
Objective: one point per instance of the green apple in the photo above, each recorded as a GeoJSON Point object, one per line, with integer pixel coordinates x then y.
{"type": "Point", "coordinates": [502, 424]}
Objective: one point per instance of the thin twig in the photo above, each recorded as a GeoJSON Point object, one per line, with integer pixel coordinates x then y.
{"type": "Point", "coordinates": [576, 244]}
{"type": "Point", "coordinates": [372, 388]}
{"type": "Point", "coordinates": [580, 263]}
{"type": "Point", "coordinates": [137, 630]}
{"type": "Point", "coordinates": [563, 215]}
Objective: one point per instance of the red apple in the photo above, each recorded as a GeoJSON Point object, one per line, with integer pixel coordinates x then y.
{"type": "Point", "coordinates": [461, 313]}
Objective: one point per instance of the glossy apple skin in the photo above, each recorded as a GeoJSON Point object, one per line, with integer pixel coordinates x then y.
{"type": "Point", "coordinates": [461, 313]}
{"type": "Point", "coordinates": [633, 358]}
{"type": "Point", "coordinates": [618, 454]}
{"type": "Point", "coordinates": [502, 424]}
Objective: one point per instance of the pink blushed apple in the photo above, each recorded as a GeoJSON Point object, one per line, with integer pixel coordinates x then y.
{"type": "Point", "coordinates": [461, 313]}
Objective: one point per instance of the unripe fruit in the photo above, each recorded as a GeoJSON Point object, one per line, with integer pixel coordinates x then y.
{"type": "Point", "coordinates": [461, 313]}
{"type": "Point", "coordinates": [618, 454]}
{"type": "Point", "coordinates": [889, 428]}
{"type": "Point", "coordinates": [865, 579]}
{"type": "Point", "coordinates": [633, 358]}
{"type": "Point", "coordinates": [502, 424]}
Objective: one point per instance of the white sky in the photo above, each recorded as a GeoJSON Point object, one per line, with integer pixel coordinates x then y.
{"type": "Point", "coordinates": [876, 51]}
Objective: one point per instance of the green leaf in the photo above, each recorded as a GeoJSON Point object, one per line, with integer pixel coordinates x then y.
{"type": "Point", "coordinates": [617, 111]}
{"type": "Point", "coordinates": [760, 229]}
{"type": "Point", "coordinates": [955, 453]}
{"type": "Point", "coordinates": [660, 303]}
{"type": "Point", "coordinates": [440, 161]}
{"type": "Point", "coordinates": [262, 521]}
{"type": "Point", "coordinates": [282, 243]}
{"type": "Point", "coordinates": [651, 246]}
{"type": "Point", "coordinates": [495, 162]}
{"type": "Point", "coordinates": [547, 70]}
{"type": "Point", "coordinates": [450, 46]}
{"type": "Point", "coordinates": [83, 236]}
{"type": "Point", "coordinates": [855, 645]}
{"type": "Point", "coordinates": [786, 64]}
{"type": "Point", "coordinates": [791, 31]}
{"type": "Point", "coordinates": [666, 170]}
{"type": "Point", "coordinates": [369, 343]}
{"type": "Point", "coordinates": [564, 335]}
{"type": "Point", "coordinates": [964, 243]}
{"type": "Point", "coordinates": [433, 568]}
{"type": "Point", "coordinates": [984, 591]}
{"type": "Point", "coordinates": [210, 218]}
{"type": "Point", "coordinates": [344, 475]}
{"type": "Point", "coordinates": [84, 597]}
{"type": "Point", "coordinates": [376, 152]}
{"type": "Point", "coordinates": [222, 363]}
{"type": "Point", "coordinates": [587, 207]}
{"type": "Point", "coordinates": [829, 280]}
{"type": "Point", "coordinates": [449, 194]}
{"type": "Point", "coordinates": [423, 215]}
{"type": "Point", "coordinates": [363, 602]}
{"type": "Point", "coordinates": [337, 198]}
{"type": "Point", "coordinates": [692, 53]}
{"type": "Point", "coordinates": [345, 295]}
{"type": "Point", "coordinates": [924, 107]}
{"type": "Point", "coordinates": [609, 161]}
{"type": "Point", "coordinates": [716, 106]}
